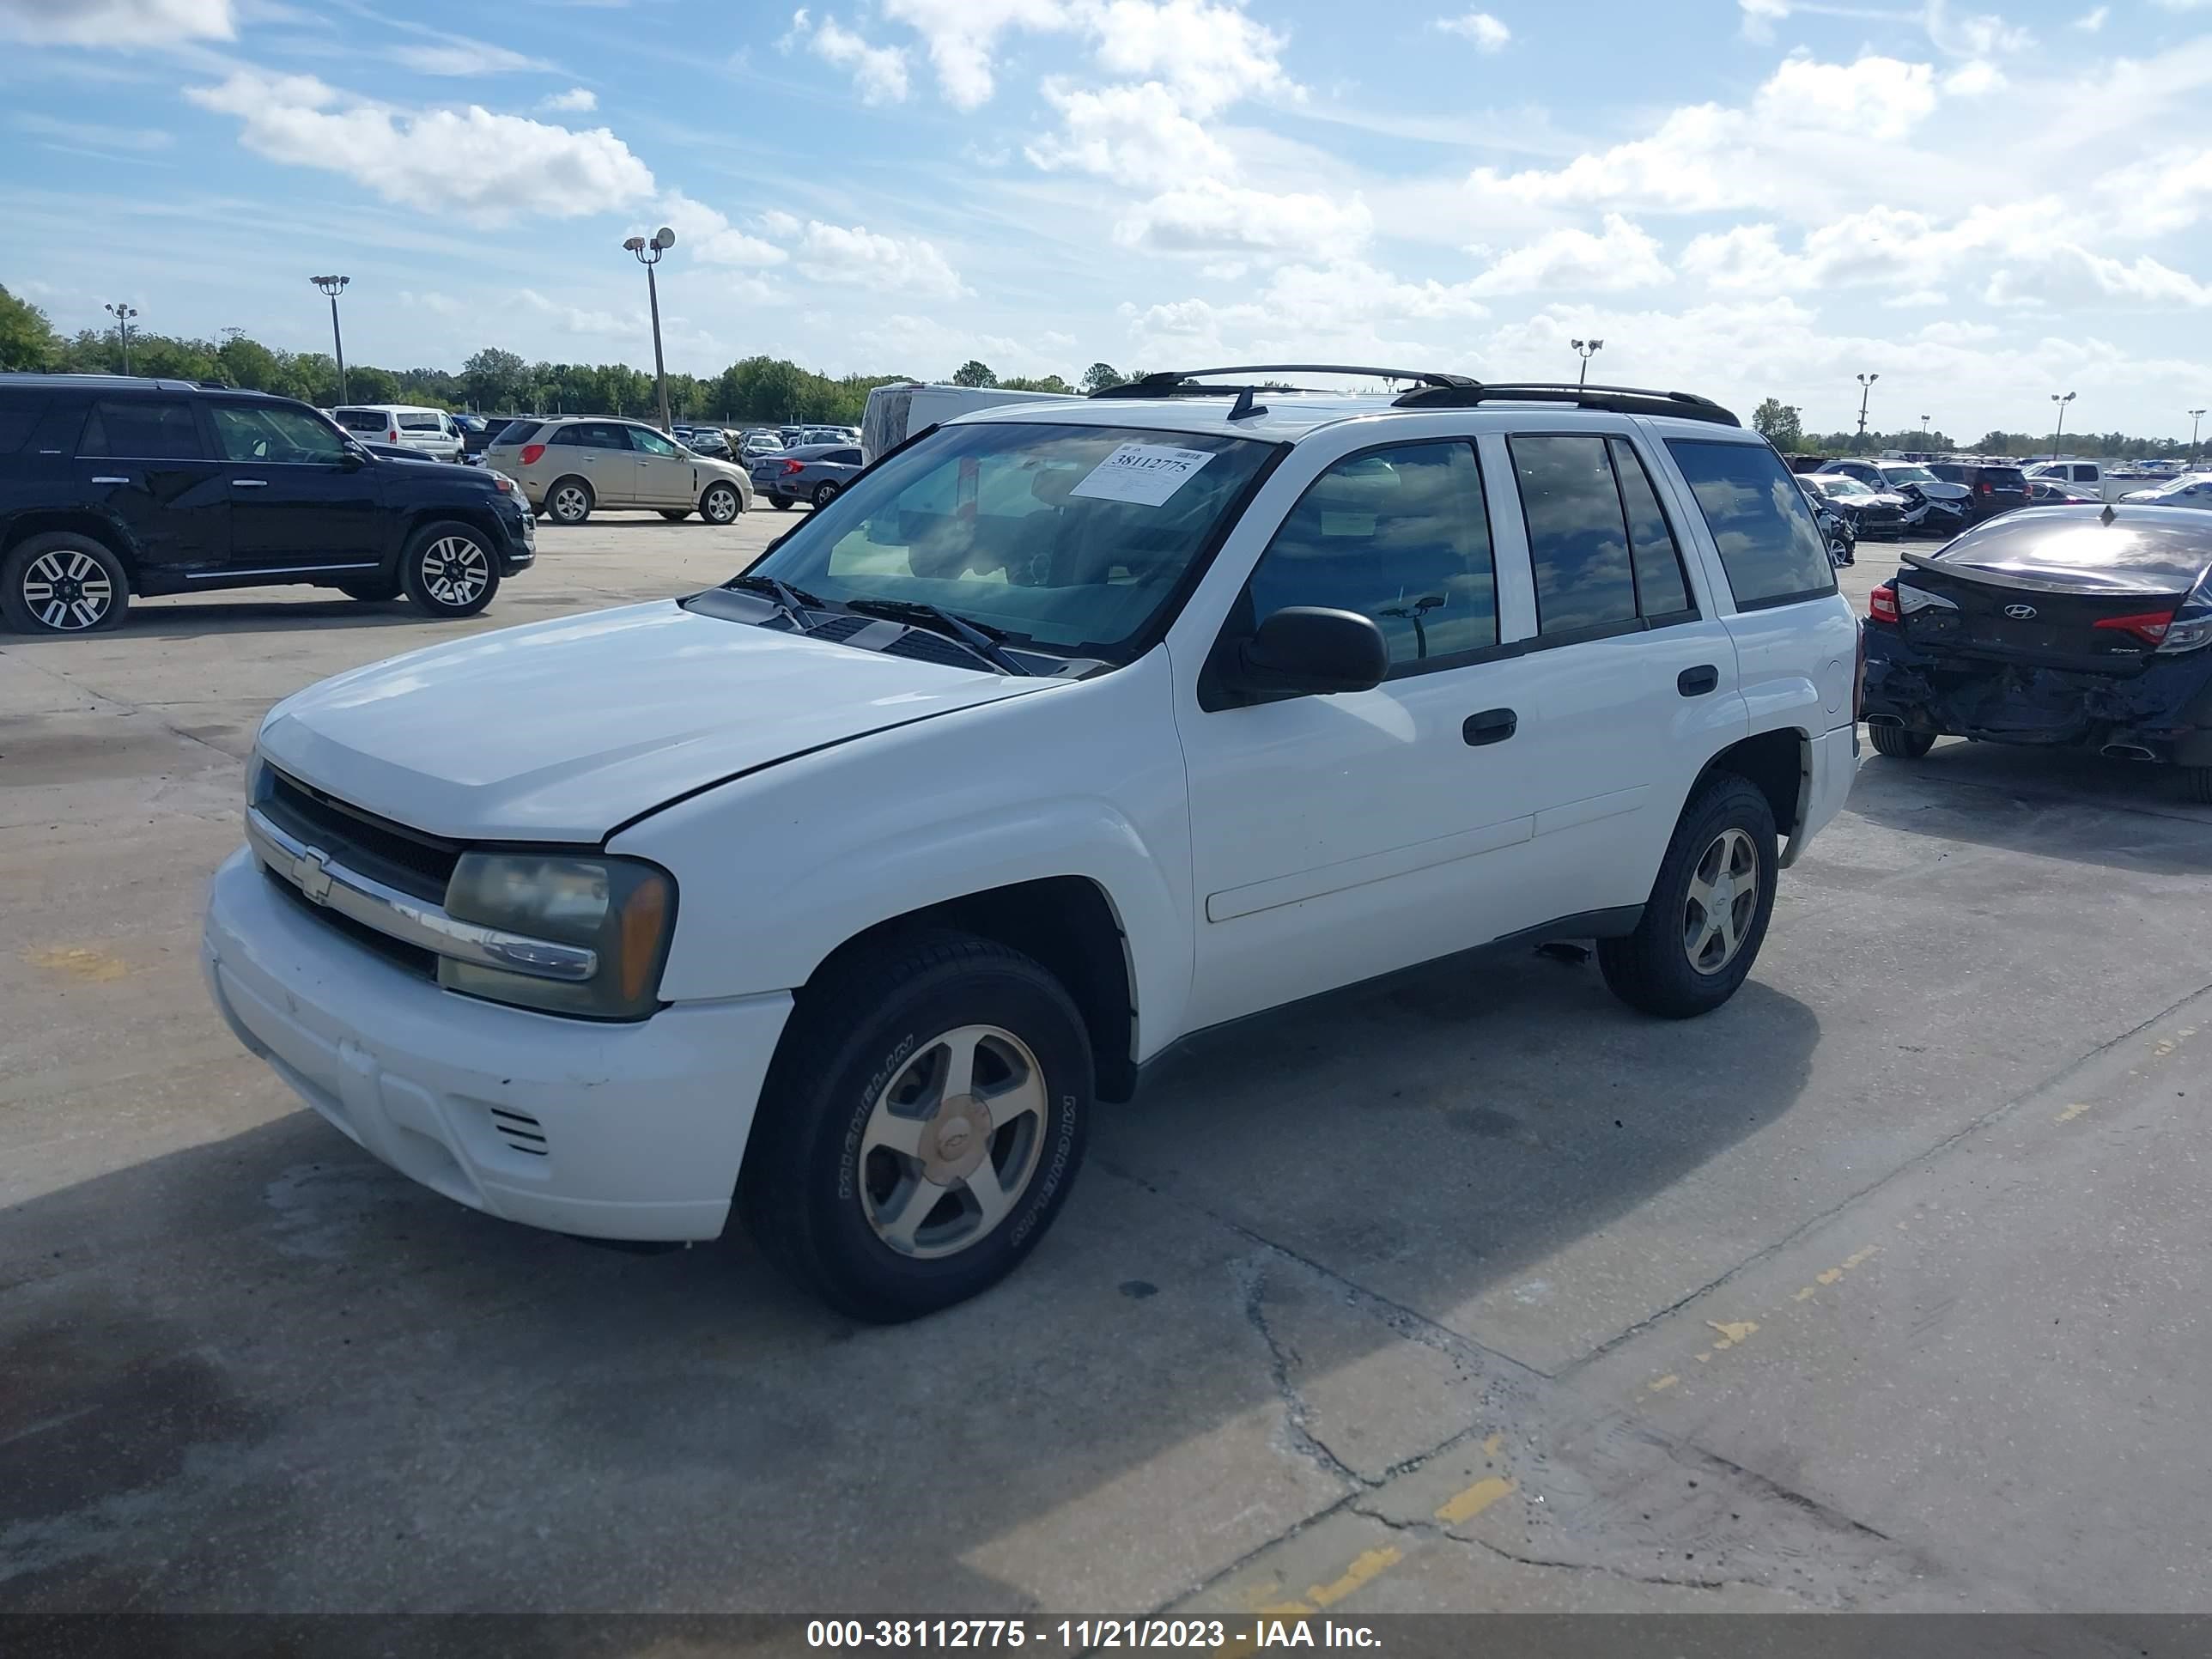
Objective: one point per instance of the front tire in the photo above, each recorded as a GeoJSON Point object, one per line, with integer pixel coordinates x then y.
{"type": "Point", "coordinates": [1900, 742]}
{"type": "Point", "coordinates": [449, 571]}
{"type": "Point", "coordinates": [920, 1127]}
{"type": "Point", "coordinates": [568, 502]}
{"type": "Point", "coordinates": [781, 503]}
{"type": "Point", "coordinates": [2197, 784]}
{"type": "Point", "coordinates": [63, 583]}
{"type": "Point", "coordinates": [1709, 908]}
{"type": "Point", "coordinates": [720, 504]}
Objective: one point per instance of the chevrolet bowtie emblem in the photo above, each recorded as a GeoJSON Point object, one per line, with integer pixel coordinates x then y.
{"type": "Point", "coordinates": [313, 872]}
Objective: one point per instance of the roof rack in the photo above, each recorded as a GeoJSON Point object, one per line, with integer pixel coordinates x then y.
{"type": "Point", "coordinates": [1180, 382]}
{"type": "Point", "coordinates": [1613, 399]}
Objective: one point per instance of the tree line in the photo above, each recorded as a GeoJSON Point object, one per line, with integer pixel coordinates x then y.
{"type": "Point", "coordinates": [491, 381]}
{"type": "Point", "coordinates": [1778, 423]}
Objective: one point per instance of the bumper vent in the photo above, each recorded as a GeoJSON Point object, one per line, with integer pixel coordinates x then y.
{"type": "Point", "coordinates": [519, 1130]}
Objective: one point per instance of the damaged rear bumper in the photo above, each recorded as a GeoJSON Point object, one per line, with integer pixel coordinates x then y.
{"type": "Point", "coordinates": [2162, 714]}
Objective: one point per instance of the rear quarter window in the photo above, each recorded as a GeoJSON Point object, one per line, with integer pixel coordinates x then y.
{"type": "Point", "coordinates": [20, 410]}
{"type": "Point", "coordinates": [359, 420]}
{"type": "Point", "coordinates": [515, 432]}
{"type": "Point", "coordinates": [1770, 544]}
{"type": "Point", "coordinates": [421, 424]}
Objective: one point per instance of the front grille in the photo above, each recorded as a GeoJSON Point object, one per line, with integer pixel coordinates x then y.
{"type": "Point", "coordinates": [415, 863]}
{"type": "Point", "coordinates": [412, 957]}
{"type": "Point", "coordinates": [519, 1130]}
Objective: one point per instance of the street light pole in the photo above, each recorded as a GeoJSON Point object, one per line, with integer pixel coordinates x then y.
{"type": "Point", "coordinates": [1586, 350]}
{"type": "Point", "coordinates": [2058, 430]}
{"type": "Point", "coordinates": [2195, 415]}
{"type": "Point", "coordinates": [331, 286]}
{"type": "Point", "coordinates": [1866, 386]}
{"type": "Point", "coordinates": [649, 255]}
{"type": "Point", "coordinates": [123, 314]}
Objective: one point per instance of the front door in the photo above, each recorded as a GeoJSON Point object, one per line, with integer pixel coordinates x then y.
{"type": "Point", "coordinates": [302, 499]}
{"type": "Point", "coordinates": [146, 462]}
{"type": "Point", "coordinates": [666, 476]}
{"type": "Point", "coordinates": [1334, 838]}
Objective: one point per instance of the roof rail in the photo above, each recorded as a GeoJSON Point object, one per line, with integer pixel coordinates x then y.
{"type": "Point", "coordinates": [1180, 382]}
{"type": "Point", "coordinates": [1613, 399]}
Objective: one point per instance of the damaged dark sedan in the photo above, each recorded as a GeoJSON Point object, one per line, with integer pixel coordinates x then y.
{"type": "Point", "coordinates": [2071, 627]}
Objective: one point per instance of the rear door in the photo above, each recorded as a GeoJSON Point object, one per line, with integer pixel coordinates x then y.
{"type": "Point", "coordinates": [597, 451]}
{"type": "Point", "coordinates": [147, 463]}
{"type": "Point", "coordinates": [301, 500]}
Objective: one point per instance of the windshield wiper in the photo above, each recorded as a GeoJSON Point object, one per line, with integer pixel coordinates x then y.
{"type": "Point", "coordinates": [980, 637]}
{"type": "Point", "coordinates": [789, 601]}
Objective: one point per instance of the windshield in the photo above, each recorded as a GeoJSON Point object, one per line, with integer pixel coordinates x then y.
{"type": "Point", "coordinates": [1069, 539]}
{"type": "Point", "coordinates": [1845, 487]}
{"type": "Point", "coordinates": [1909, 475]}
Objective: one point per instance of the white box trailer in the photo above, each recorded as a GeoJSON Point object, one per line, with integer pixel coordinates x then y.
{"type": "Point", "coordinates": [896, 412]}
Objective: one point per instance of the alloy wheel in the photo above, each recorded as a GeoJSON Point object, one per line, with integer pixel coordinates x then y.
{"type": "Point", "coordinates": [1723, 900]}
{"type": "Point", "coordinates": [953, 1141]}
{"type": "Point", "coordinates": [68, 591]}
{"type": "Point", "coordinates": [455, 570]}
{"type": "Point", "coordinates": [569, 504]}
{"type": "Point", "coordinates": [721, 506]}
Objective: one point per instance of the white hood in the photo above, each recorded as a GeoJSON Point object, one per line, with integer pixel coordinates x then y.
{"type": "Point", "coordinates": [559, 731]}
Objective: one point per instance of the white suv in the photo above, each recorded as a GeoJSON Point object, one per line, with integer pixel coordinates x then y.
{"type": "Point", "coordinates": [847, 888]}
{"type": "Point", "coordinates": [407, 426]}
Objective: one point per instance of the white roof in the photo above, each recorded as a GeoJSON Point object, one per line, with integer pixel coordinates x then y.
{"type": "Point", "coordinates": [1286, 417]}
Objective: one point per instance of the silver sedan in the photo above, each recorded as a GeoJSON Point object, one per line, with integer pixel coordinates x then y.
{"type": "Point", "coordinates": [812, 473]}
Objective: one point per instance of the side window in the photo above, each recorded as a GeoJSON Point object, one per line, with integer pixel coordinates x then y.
{"type": "Point", "coordinates": [1577, 537]}
{"type": "Point", "coordinates": [1769, 543]}
{"type": "Point", "coordinates": [1662, 593]}
{"type": "Point", "coordinates": [272, 433]}
{"type": "Point", "coordinates": [1400, 535]}
{"type": "Point", "coordinates": [650, 443]}
{"type": "Point", "coordinates": [845, 457]}
{"type": "Point", "coordinates": [146, 430]}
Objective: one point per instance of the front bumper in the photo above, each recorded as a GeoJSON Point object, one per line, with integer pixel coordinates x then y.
{"type": "Point", "coordinates": [631, 1132]}
{"type": "Point", "coordinates": [2165, 710]}
{"type": "Point", "coordinates": [520, 548]}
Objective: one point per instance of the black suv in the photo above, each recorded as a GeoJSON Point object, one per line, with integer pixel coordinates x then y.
{"type": "Point", "coordinates": [112, 486]}
{"type": "Point", "coordinates": [1995, 488]}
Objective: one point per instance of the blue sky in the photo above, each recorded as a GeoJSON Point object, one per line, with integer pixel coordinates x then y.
{"type": "Point", "coordinates": [1742, 197]}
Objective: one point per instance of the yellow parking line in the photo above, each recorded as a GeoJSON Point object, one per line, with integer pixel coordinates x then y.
{"type": "Point", "coordinates": [1466, 1505]}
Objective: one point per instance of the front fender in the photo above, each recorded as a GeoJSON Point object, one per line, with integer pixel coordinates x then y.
{"type": "Point", "coordinates": [776, 870]}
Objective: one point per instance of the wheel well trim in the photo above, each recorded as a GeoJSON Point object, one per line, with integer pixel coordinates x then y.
{"type": "Point", "coordinates": [109, 532]}
{"type": "Point", "coordinates": [1756, 756]}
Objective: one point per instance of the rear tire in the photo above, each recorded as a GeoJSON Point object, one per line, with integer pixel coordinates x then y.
{"type": "Point", "coordinates": [854, 1123]}
{"type": "Point", "coordinates": [1709, 908]}
{"type": "Point", "coordinates": [781, 503]}
{"type": "Point", "coordinates": [568, 502]}
{"type": "Point", "coordinates": [675, 516]}
{"type": "Point", "coordinates": [2197, 784]}
{"type": "Point", "coordinates": [1900, 742]}
{"type": "Point", "coordinates": [825, 493]}
{"type": "Point", "coordinates": [63, 583]}
{"type": "Point", "coordinates": [449, 570]}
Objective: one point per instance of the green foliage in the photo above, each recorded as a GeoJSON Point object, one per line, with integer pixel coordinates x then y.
{"type": "Point", "coordinates": [972, 373]}
{"type": "Point", "coordinates": [1777, 422]}
{"type": "Point", "coordinates": [1050, 383]}
{"type": "Point", "coordinates": [26, 338]}
{"type": "Point", "coordinates": [1099, 376]}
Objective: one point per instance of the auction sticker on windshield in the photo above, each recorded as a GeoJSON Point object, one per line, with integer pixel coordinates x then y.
{"type": "Point", "coordinates": [1144, 474]}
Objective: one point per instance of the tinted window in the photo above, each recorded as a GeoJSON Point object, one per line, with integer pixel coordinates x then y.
{"type": "Point", "coordinates": [421, 424]}
{"type": "Point", "coordinates": [592, 434]}
{"type": "Point", "coordinates": [142, 429]}
{"type": "Point", "coordinates": [844, 457]}
{"type": "Point", "coordinates": [275, 432]}
{"type": "Point", "coordinates": [1400, 535]}
{"type": "Point", "coordinates": [359, 420]}
{"type": "Point", "coordinates": [1769, 543]}
{"type": "Point", "coordinates": [2004, 478]}
{"type": "Point", "coordinates": [1661, 590]}
{"type": "Point", "coordinates": [515, 432]}
{"type": "Point", "coordinates": [1950, 473]}
{"type": "Point", "coordinates": [1577, 540]}
{"type": "Point", "coordinates": [651, 442]}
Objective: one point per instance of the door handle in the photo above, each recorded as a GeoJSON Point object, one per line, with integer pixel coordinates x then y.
{"type": "Point", "coordinates": [1491, 725]}
{"type": "Point", "coordinates": [111, 480]}
{"type": "Point", "coordinates": [249, 483]}
{"type": "Point", "coordinates": [1696, 681]}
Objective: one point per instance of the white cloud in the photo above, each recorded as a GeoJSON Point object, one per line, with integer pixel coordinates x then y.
{"type": "Point", "coordinates": [577, 100]}
{"type": "Point", "coordinates": [438, 305]}
{"type": "Point", "coordinates": [1343, 308]}
{"type": "Point", "coordinates": [960, 35]}
{"type": "Point", "coordinates": [1974, 79]}
{"type": "Point", "coordinates": [96, 135]}
{"type": "Point", "coordinates": [1208, 217]}
{"type": "Point", "coordinates": [2090, 22]}
{"type": "Point", "coordinates": [1208, 55]}
{"type": "Point", "coordinates": [1621, 256]}
{"type": "Point", "coordinates": [1136, 134]}
{"type": "Point", "coordinates": [777, 222]}
{"type": "Point", "coordinates": [857, 255]}
{"type": "Point", "coordinates": [1480, 27]}
{"type": "Point", "coordinates": [1879, 97]}
{"type": "Point", "coordinates": [469, 162]}
{"type": "Point", "coordinates": [704, 234]}
{"type": "Point", "coordinates": [455, 56]}
{"type": "Point", "coordinates": [117, 22]}
{"type": "Point", "coordinates": [582, 320]}
{"type": "Point", "coordinates": [879, 72]}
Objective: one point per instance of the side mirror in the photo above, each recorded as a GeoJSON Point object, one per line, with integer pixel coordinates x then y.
{"type": "Point", "coordinates": [354, 460]}
{"type": "Point", "coordinates": [1305, 650]}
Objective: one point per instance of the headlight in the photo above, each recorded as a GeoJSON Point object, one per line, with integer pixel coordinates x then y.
{"type": "Point", "coordinates": [621, 909]}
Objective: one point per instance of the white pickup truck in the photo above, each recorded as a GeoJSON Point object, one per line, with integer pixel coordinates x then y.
{"type": "Point", "coordinates": [844, 892]}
